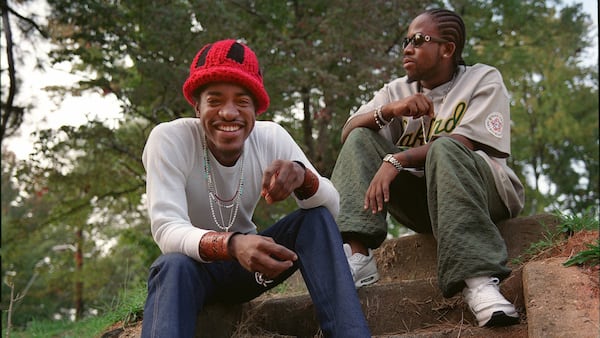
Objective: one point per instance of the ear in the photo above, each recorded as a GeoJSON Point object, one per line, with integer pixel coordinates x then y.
{"type": "Point", "coordinates": [448, 49]}
{"type": "Point", "coordinates": [197, 108]}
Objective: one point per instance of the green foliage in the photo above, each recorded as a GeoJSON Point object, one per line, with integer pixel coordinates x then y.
{"type": "Point", "coordinates": [591, 256]}
{"type": "Point", "coordinates": [569, 224]}
{"type": "Point", "coordinates": [126, 311]}
{"type": "Point", "coordinates": [551, 236]}
{"type": "Point", "coordinates": [554, 97]}
{"type": "Point", "coordinates": [89, 327]}
{"type": "Point", "coordinates": [588, 221]}
{"type": "Point", "coordinates": [554, 100]}
{"type": "Point", "coordinates": [80, 195]}
{"type": "Point", "coordinates": [319, 66]}
{"type": "Point", "coordinates": [129, 307]}
{"type": "Point", "coordinates": [314, 59]}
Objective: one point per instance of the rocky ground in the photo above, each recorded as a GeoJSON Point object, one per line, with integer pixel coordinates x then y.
{"type": "Point", "coordinates": [584, 284]}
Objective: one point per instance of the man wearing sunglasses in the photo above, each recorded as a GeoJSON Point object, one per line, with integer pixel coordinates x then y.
{"type": "Point", "coordinates": [430, 149]}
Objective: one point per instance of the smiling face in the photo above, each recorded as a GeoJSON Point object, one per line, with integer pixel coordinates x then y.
{"type": "Point", "coordinates": [431, 62]}
{"type": "Point", "coordinates": [227, 113]}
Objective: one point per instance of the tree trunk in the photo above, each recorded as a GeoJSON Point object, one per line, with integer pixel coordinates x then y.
{"type": "Point", "coordinates": [78, 276]}
{"type": "Point", "coordinates": [307, 124]}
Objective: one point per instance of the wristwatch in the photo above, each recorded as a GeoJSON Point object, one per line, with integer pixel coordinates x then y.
{"type": "Point", "coordinates": [391, 159]}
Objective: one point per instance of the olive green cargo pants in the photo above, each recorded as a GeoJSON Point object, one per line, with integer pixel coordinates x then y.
{"type": "Point", "coordinates": [456, 200]}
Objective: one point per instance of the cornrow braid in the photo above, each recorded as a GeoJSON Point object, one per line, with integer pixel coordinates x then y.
{"type": "Point", "coordinates": [452, 28]}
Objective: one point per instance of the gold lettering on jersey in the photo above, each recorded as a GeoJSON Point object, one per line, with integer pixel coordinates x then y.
{"type": "Point", "coordinates": [449, 124]}
{"type": "Point", "coordinates": [436, 128]}
{"type": "Point", "coordinates": [411, 140]}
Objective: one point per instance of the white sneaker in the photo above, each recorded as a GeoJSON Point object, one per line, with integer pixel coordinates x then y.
{"type": "Point", "coordinates": [363, 268]}
{"type": "Point", "coordinates": [489, 306]}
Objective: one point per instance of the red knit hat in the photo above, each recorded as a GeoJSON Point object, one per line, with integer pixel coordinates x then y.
{"type": "Point", "coordinates": [227, 61]}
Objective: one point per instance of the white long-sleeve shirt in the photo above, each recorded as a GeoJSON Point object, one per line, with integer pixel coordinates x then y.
{"type": "Point", "coordinates": [176, 184]}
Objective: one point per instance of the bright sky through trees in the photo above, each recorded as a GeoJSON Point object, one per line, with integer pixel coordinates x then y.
{"type": "Point", "coordinates": [70, 110]}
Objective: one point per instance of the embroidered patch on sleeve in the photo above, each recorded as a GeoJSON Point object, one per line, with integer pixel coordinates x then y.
{"type": "Point", "coordinates": [494, 123]}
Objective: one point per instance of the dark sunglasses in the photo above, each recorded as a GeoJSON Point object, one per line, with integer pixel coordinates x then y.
{"type": "Point", "coordinates": [419, 39]}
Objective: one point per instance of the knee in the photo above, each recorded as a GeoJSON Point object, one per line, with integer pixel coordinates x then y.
{"type": "Point", "coordinates": [320, 212]}
{"type": "Point", "coordinates": [358, 135]}
{"type": "Point", "coordinates": [442, 143]}
{"type": "Point", "coordinates": [318, 217]}
{"type": "Point", "coordinates": [444, 146]}
{"type": "Point", "coordinates": [173, 262]}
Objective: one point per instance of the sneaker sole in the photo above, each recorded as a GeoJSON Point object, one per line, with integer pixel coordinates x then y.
{"type": "Point", "coordinates": [367, 281]}
{"type": "Point", "coordinates": [499, 318]}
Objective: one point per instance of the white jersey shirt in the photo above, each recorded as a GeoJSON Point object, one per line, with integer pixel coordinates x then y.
{"type": "Point", "coordinates": [474, 104]}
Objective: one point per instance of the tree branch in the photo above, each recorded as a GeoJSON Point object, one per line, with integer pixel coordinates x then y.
{"type": "Point", "coordinates": [28, 20]}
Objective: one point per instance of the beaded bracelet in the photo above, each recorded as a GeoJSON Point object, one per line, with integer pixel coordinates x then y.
{"type": "Point", "coordinates": [309, 186]}
{"type": "Point", "coordinates": [214, 246]}
{"type": "Point", "coordinates": [379, 112]}
{"type": "Point", "coordinates": [379, 123]}
{"type": "Point", "coordinates": [378, 116]}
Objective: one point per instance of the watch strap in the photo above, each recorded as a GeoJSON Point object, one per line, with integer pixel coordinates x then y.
{"type": "Point", "coordinates": [392, 160]}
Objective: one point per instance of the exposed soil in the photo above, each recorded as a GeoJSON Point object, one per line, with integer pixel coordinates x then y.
{"type": "Point", "coordinates": [567, 301]}
{"type": "Point", "coordinates": [573, 245]}
{"type": "Point", "coordinates": [588, 288]}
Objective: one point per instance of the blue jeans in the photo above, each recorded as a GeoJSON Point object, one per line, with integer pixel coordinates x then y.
{"type": "Point", "coordinates": [179, 287]}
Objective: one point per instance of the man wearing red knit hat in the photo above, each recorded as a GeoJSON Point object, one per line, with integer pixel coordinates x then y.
{"type": "Point", "coordinates": [204, 177]}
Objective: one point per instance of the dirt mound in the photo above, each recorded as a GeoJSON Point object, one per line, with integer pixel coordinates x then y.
{"type": "Point", "coordinates": [566, 249]}
{"type": "Point", "coordinates": [576, 243]}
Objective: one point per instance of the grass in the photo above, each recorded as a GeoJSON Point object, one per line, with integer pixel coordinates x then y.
{"type": "Point", "coordinates": [126, 310]}
{"type": "Point", "coordinates": [89, 327]}
{"type": "Point", "coordinates": [590, 256]}
{"type": "Point", "coordinates": [569, 224]}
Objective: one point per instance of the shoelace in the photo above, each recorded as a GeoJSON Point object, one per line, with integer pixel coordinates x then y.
{"type": "Point", "coordinates": [493, 282]}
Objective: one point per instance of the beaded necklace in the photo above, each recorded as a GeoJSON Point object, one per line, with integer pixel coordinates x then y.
{"type": "Point", "coordinates": [232, 204]}
{"type": "Point", "coordinates": [420, 90]}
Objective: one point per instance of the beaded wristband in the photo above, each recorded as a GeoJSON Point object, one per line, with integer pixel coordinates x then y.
{"type": "Point", "coordinates": [214, 246]}
{"type": "Point", "coordinates": [380, 114]}
{"type": "Point", "coordinates": [381, 122]}
{"type": "Point", "coordinates": [309, 186]}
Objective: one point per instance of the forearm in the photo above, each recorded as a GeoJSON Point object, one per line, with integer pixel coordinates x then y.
{"type": "Point", "coordinates": [415, 157]}
{"type": "Point", "coordinates": [326, 196]}
{"type": "Point", "coordinates": [365, 120]}
{"type": "Point", "coordinates": [215, 246]}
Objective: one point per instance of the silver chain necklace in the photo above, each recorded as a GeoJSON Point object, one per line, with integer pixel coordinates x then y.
{"type": "Point", "coordinates": [232, 204]}
{"type": "Point", "coordinates": [420, 90]}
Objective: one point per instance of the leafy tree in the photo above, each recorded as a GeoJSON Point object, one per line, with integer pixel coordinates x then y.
{"type": "Point", "coordinates": [28, 29]}
{"type": "Point", "coordinates": [554, 98]}
{"type": "Point", "coordinates": [319, 64]}
{"type": "Point", "coordinates": [316, 61]}
{"type": "Point", "coordinates": [91, 208]}
{"type": "Point", "coordinates": [24, 247]}
{"type": "Point", "coordinates": [141, 53]}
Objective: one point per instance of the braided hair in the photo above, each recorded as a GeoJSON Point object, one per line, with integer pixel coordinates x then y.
{"type": "Point", "coordinates": [452, 28]}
